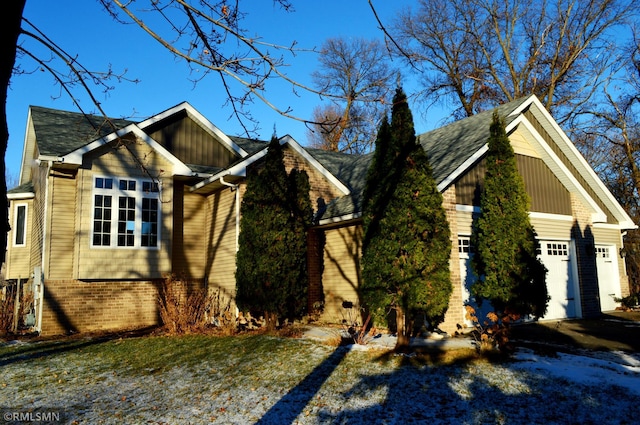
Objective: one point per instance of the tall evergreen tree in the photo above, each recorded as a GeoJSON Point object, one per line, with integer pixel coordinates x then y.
{"type": "Point", "coordinates": [512, 278]}
{"type": "Point", "coordinates": [271, 260]}
{"type": "Point", "coordinates": [300, 219]}
{"type": "Point", "coordinates": [405, 261]}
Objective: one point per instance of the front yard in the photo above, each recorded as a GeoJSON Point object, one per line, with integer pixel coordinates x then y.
{"type": "Point", "coordinates": [274, 380]}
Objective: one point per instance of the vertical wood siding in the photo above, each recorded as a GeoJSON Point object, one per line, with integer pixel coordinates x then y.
{"type": "Point", "coordinates": [540, 129]}
{"type": "Point", "coordinates": [546, 192]}
{"type": "Point", "coordinates": [190, 143]}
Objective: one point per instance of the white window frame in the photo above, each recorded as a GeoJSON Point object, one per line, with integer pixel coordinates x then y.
{"type": "Point", "coordinates": [138, 194]}
{"type": "Point", "coordinates": [465, 250]}
{"type": "Point", "coordinates": [24, 225]}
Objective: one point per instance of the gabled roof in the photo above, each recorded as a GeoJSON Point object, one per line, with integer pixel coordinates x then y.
{"type": "Point", "coordinates": [451, 147]}
{"type": "Point", "coordinates": [60, 132]}
{"type": "Point", "coordinates": [238, 170]}
{"type": "Point", "coordinates": [75, 157]}
{"type": "Point", "coordinates": [65, 136]}
{"type": "Point", "coordinates": [455, 148]}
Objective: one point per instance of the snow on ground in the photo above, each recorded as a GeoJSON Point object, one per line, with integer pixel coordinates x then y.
{"type": "Point", "coordinates": [608, 368]}
{"type": "Point", "coordinates": [345, 385]}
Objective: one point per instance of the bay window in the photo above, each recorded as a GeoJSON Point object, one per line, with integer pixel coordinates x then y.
{"type": "Point", "coordinates": [126, 213]}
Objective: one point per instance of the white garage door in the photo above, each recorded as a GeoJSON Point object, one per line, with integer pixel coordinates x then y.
{"type": "Point", "coordinates": [608, 277]}
{"type": "Point", "coordinates": [556, 256]}
{"type": "Point", "coordinates": [467, 279]}
{"type": "Point", "coordinates": [561, 285]}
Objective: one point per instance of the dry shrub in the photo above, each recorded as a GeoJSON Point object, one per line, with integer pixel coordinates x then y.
{"type": "Point", "coordinates": [183, 311]}
{"type": "Point", "coordinates": [7, 304]}
{"type": "Point", "coordinates": [223, 316]}
{"type": "Point", "coordinates": [493, 332]}
{"type": "Point", "coordinates": [359, 332]}
{"type": "Point", "coordinates": [7, 308]}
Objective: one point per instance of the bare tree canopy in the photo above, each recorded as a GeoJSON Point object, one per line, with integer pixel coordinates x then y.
{"type": "Point", "coordinates": [610, 139]}
{"type": "Point", "coordinates": [357, 74]}
{"type": "Point", "coordinates": [474, 54]}
{"type": "Point", "coordinates": [209, 36]}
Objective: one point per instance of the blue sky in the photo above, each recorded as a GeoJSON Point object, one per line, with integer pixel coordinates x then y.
{"type": "Point", "coordinates": [83, 28]}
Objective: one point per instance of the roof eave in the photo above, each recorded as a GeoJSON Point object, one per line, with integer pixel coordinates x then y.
{"type": "Point", "coordinates": [179, 168]}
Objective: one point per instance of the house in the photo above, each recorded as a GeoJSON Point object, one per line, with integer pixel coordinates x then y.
{"type": "Point", "coordinates": [104, 210]}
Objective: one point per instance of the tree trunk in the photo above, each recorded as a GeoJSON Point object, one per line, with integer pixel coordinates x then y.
{"type": "Point", "coordinates": [272, 320]}
{"type": "Point", "coordinates": [11, 19]}
{"type": "Point", "coordinates": [402, 343]}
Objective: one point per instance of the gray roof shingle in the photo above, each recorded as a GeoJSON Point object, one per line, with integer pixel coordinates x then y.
{"type": "Point", "coordinates": [448, 148]}
{"type": "Point", "coordinates": [61, 132]}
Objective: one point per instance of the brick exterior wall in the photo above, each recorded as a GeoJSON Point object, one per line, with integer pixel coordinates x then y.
{"type": "Point", "coordinates": [315, 267]}
{"type": "Point", "coordinates": [582, 235]}
{"type": "Point", "coordinates": [322, 190]}
{"type": "Point", "coordinates": [455, 314]}
{"type": "Point", "coordinates": [79, 306]}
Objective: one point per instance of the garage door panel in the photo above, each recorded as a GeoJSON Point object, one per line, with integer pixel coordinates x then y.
{"type": "Point", "coordinates": [561, 287]}
{"type": "Point", "coordinates": [556, 256]}
{"type": "Point", "coordinates": [608, 277]}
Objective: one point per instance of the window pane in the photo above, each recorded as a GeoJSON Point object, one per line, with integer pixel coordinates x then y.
{"type": "Point", "coordinates": [21, 222]}
{"type": "Point", "coordinates": [101, 220]}
{"type": "Point", "coordinates": [126, 221]}
{"type": "Point", "coordinates": [149, 235]}
{"type": "Point", "coordinates": [148, 187]}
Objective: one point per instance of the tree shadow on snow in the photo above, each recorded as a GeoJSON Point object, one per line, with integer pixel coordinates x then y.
{"type": "Point", "coordinates": [289, 407]}
{"type": "Point", "coordinates": [465, 391]}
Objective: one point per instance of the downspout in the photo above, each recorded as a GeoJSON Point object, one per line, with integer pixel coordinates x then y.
{"type": "Point", "coordinates": [234, 188]}
{"type": "Point", "coordinates": [42, 268]}
{"type": "Point", "coordinates": [45, 211]}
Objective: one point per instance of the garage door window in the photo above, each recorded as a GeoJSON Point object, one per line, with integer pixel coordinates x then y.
{"type": "Point", "coordinates": [602, 252]}
{"type": "Point", "coordinates": [557, 249]}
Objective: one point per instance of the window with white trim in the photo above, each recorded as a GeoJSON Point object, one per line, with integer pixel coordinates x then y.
{"type": "Point", "coordinates": [464, 246]}
{"type": "Point", "coordinates": [126, 213]}
{"type": "Point", "coordinates": [20, 225]}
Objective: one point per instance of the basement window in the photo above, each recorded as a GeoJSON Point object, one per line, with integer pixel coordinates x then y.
{"type": "Point", "coordinates": [126, 213]}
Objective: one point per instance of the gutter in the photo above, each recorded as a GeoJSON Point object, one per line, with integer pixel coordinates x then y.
{"type": "Point", "coordinates": [234, 188]}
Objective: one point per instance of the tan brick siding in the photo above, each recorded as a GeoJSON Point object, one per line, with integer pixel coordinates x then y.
{"type": "Point", "coordinates": [76, 306]}
{"type": "Point", "coordinates": [322, 190]}
{"type": "Point", "coordinates": [454, 315]}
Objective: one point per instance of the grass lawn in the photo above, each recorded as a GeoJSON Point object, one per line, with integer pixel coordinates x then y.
{"type": "Point", "coordinates": [268, 379]}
